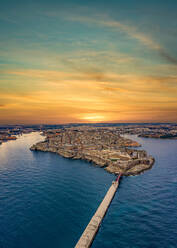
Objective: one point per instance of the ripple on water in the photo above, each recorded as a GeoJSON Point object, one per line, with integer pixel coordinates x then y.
{"type": "Point", "coordinates": [47, 201]}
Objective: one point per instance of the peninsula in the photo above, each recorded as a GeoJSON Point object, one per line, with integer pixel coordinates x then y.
{"type": "Point", "coordinates": [103, 146]}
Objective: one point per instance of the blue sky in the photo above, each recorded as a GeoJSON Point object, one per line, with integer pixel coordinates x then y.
{"type": "Point", "coordinates": [111, 51]}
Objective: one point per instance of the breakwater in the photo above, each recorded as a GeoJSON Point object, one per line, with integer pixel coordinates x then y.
{"type": "Point", "coordinates": [41, 199]}
{"type": "Point", "coordinates": [89, 234]}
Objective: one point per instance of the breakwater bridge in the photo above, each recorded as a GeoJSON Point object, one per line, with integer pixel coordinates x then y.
{"type": "Point", "coordinates": [91, 230]}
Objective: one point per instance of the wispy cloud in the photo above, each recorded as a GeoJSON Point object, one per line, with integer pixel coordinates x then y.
{"type": "Point", "coordinates": [130, 31]}
{"type": "Point", "coordinates": [2, 105]}
{"type": "Point", "coordinates": [74, 97]}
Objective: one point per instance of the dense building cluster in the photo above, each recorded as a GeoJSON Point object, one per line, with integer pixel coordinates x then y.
{"type": "Point", "coordinates": [6, 135]}
{"type": "Point", "coordinates": [104, 146]}
{"type": "Point", "coordinates": [11, 132]}
{"type": "Point", "coordinates": [163, 131]}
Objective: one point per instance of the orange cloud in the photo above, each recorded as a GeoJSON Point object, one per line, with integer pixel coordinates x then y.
{"type": "Point", "coordinates": [58, 97]}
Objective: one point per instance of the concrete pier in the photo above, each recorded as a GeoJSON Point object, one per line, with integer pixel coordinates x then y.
{"type": "Point", "coordinates": [88, 235]}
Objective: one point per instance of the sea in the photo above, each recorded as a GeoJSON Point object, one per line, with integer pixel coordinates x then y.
{"type": "Point", "coordinates": [46, 201]}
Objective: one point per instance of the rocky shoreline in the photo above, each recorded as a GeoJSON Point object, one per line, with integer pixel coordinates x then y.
{"type": "Point", "coordinates": [103, 147]}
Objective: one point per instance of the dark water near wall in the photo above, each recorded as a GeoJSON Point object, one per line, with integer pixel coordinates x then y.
{"type": "Point", "coordinates": [46, 200]}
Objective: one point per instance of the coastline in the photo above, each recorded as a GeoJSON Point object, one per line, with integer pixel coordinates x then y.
{"type": "Point", "coordinates": [95, 164]}
{"type": "Point", "coordinates": [99, 147]}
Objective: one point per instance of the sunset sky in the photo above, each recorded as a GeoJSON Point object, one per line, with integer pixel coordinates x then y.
{"type": "Point", "coordinates": [88, 61]}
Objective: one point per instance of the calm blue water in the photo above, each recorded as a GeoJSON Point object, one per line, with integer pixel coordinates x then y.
{"type": "Point", "coordinates": [46, 200]}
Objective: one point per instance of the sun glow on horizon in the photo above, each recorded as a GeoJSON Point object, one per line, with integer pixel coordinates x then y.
{"type": "Point", "coordinates": [87, 64]}
{"type": "Point", "coordinates": [93, 118]}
